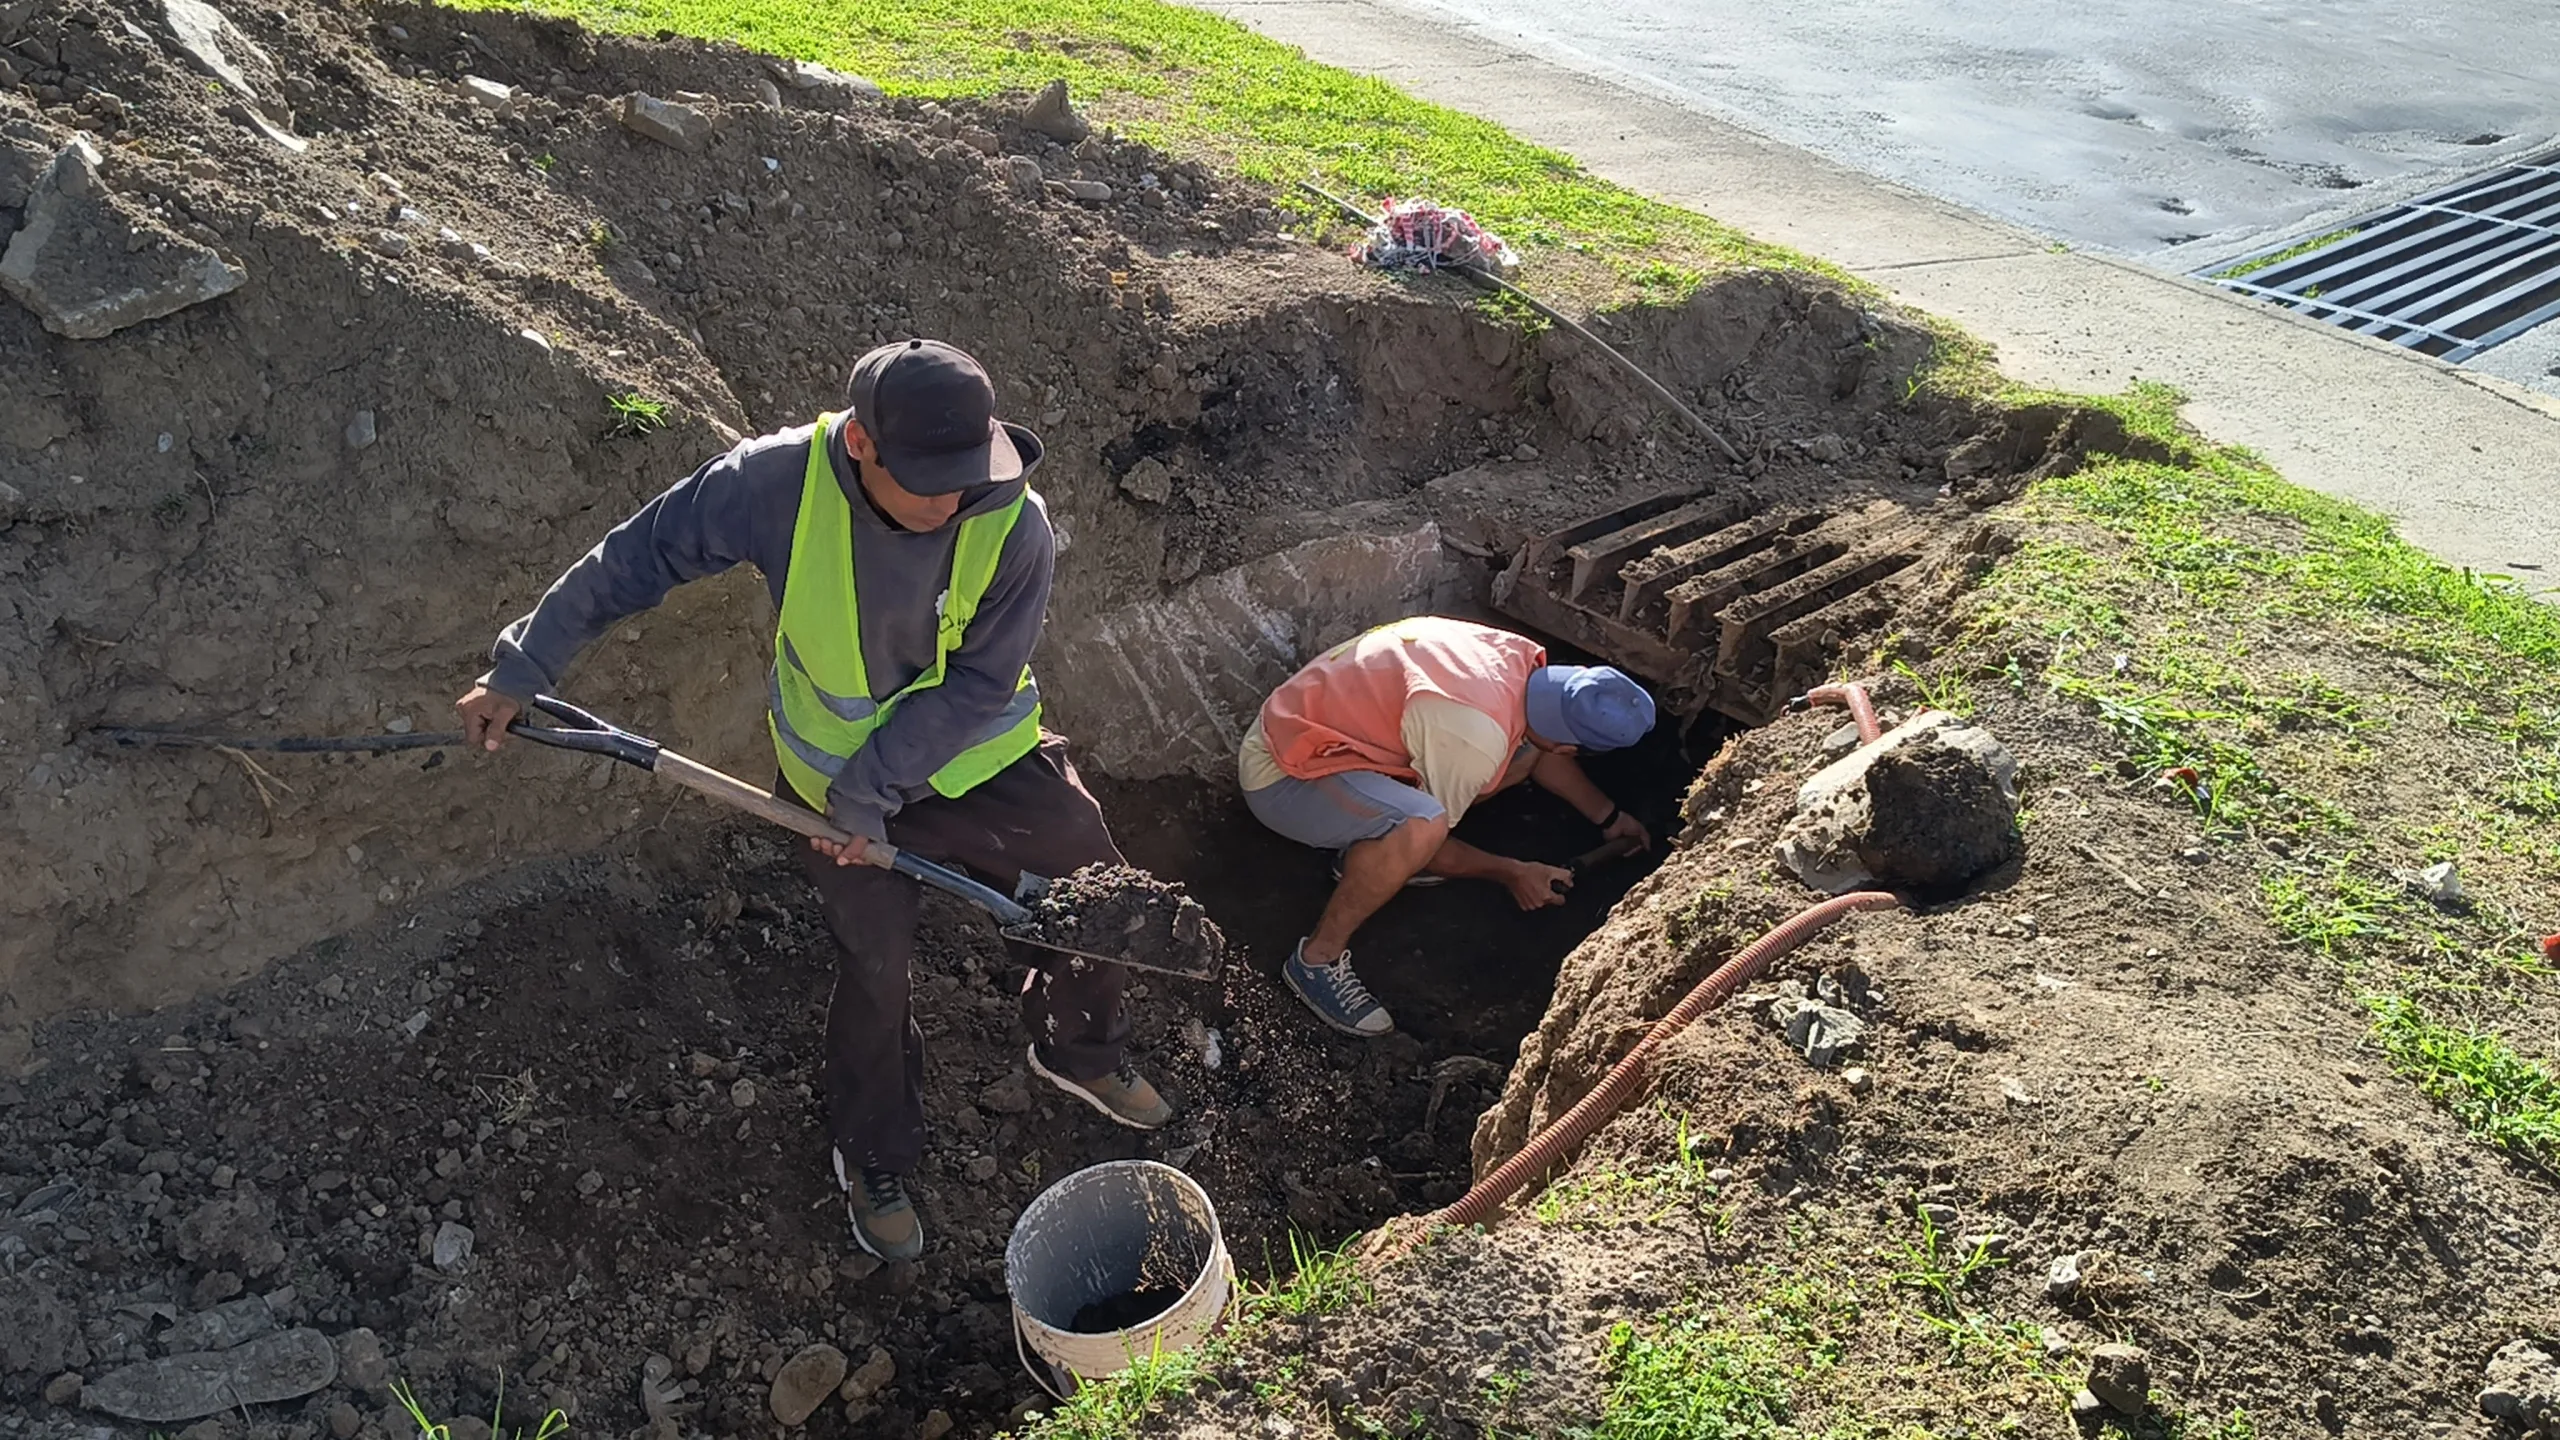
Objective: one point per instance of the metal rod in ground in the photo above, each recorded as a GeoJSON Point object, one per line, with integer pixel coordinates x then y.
{"type": "Point", "coordinates": [1485, 277]}
{"type": "Point", "coordinates": [285, 744]}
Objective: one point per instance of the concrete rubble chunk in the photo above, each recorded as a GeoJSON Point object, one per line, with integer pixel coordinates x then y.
{"type": "Point", "coordinates": [489, 95]}
{"type": "Point", "coordinates": [283, 1366]}
{"type": "Point", "coordinates": [1149, 480]}
{"type": "Point", "coordinates": [88, 268]}
{"type": "Point", "coordinates": [1824, 1033]}
{"type": "Point", "coordinates": [215, 46]}
{"type": "Point", "coordinates": [668, 122]}
{"type": "Point", "coordinates": [805, 1382]}
{"type": "Point", "coordinates": [1052, 115]}
{"type": "Point", "coordinates": [225, 1326]}
{"type": "Point", "coordinates": [1931, 806]}
{"type": "Point", "coordinates": [817, 83]}
{"type": "Point", "coordinates": [361, 432]}
{"type": "Point", "coordinates": [2062, 1278]}
{"type": "Point", "coordinates": [2522, 1385]}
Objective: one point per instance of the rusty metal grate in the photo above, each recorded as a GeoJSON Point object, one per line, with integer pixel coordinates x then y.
{"type": "Point", "coordinates": [1725, 603]}
{"type": "Point", "coordinates": [2449, 273]}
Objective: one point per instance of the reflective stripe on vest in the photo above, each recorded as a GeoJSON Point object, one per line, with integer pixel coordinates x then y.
{"type": "Point", "coordinates": [818, 693]}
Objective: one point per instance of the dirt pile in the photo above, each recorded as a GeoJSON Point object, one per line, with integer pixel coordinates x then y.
{"type": "Point", "coordinates": [468, 286]}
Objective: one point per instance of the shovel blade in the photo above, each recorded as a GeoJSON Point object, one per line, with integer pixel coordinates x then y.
{"type": "Point", "coordinates": [1188, 964]}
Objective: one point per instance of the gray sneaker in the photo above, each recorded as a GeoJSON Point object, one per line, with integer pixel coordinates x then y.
{"type": "Point", "coordinates": [1336, 995]}
{"type": "Point", "coordinates": [1124, 1094]}
{"type": "Point", "coordinates": [884, 1219]}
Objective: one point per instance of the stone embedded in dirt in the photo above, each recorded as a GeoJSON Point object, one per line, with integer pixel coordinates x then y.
{"type": "Point", "coordinates": [742, 1094]}
{"type": "Point", "coordinates": [2120, 1376]}
{"type": "Point", "coordinates": [236, 1231]}
{"type": "Point", "coordinates": [218, 48]}
{"type": "Point", "coordinates": [1930, 807]}
{"type": "Point", "coordinates": [2522, 1385]}
{"type": "Point", "coordinates": [1092, 192]}
{"type": "Point", "coordinates": [489, 95]}
{"type": "Point", "coordinates": [344, 1421]}
{"type": "Point", "coordinates": [452, 1248]}
{"type": "Point", "coordinates": [870, 1378]}
{"type": "Point", "coordinates": [2440, 884]}
{"type": "Point", "coordinates": [665, 121]}
{"type": "Point", "coordinates": [89, 267]}
{"type": "Point", "coordinates": [980, 1169]}
{"type": "Point", "coordinates": [284, 1366]}
{"type": "Point", "coordinates": [1122, 912]}
{"type": "Point", "coordinates": [1052, 115]}
{"type": "Point", "coordinates": [232, 1323]}
{"type": "Point", "coordinates": [361, 1363]}
{"type": "Point", "coordinates": [833, 89]}
{"type": "Point", "coordinates": [804, 1382]}
{"type": "Point", "coordinates": [1823, 1033]}
{"type": "Point", "coordinates": [1941, 1217]}
{"type": "Point", "coordinates": [26, 152]}
{"type": "Point", "coordinates": [1858, 1080]}
{"type": "Point", "coordinates": [63, 1390]}
{"type": "Point", "coordinates": [1008, 1096]}
{"type": "Point", "coordinates": [937, 1423]}
{"type": "Point", "coordinates": [1023, 174]}
{"type": "Point", "coordinates": [360, 430]}
{"type": "Point", "coordinates": [1149, 480]}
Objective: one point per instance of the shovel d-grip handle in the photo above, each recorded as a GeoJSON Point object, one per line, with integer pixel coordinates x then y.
{"type": "Point", "coordinates": [576, 729]}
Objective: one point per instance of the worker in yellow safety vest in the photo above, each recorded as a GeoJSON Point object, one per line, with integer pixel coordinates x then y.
{"type": "Point", "coordinates": [910, 562]}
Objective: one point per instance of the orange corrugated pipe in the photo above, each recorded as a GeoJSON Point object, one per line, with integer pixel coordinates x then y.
{"type": "Point", "coordinates": [1861, 709]}
{"type": "Point", "coordinates": [1614, 1089]}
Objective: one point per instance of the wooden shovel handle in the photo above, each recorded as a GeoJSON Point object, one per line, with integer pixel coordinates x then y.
{"type": "Point", "coordinates": [764, 804]}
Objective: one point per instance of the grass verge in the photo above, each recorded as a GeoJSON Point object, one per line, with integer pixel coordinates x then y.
{"type": "Point", "coordinates": [2336, 708]}
{"type": "Point", "coordinates": [1200, 85]}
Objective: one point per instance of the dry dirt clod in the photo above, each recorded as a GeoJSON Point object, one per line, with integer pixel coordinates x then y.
{"type": "Point", "coordinates": [2120, 1376]}
{"type": "Point", "coordinates": [1123, 912]}
{"type": "Point", "coordinates": [2523, 1385]}
{"type": "Point", "coordinates": [1052, 115]}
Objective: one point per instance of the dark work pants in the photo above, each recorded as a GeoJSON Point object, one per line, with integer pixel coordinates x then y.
{"type": "Point", "coordinates": [1035, 816]}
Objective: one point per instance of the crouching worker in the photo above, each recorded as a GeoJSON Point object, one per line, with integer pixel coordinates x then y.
{"type": "Point", "coordinates": [1376, 749]}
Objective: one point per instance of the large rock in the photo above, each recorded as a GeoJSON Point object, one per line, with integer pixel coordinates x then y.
{"type": "Point", "coordinates": [284, 1366]}
{"type": "Point", "coordinates": [1052, 115]}
{"type": "Point", "coordinates": [88, 268]}
{"type": "Point", "coordinates": [214, 45]}
{"type": "Point", "coordinates": [805, 1382]}
{"type": "Point", "coordinates": [2523, 1385]}
{"type": "Point", "coordinates": [665, 121]}
{"type": "Point", "coordinates": [1929, 807]}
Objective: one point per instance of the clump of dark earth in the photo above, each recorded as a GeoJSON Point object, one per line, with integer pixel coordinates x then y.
{"type": "Point", "coordinates": [1119, 1312]}
{"type": "Point", "coordinates": [1124, 913]}
{"type": "Point", "coordinates": [1940, 819]}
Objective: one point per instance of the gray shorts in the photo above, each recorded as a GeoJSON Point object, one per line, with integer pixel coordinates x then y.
{"type": "Point", "coordinates": [1339, 811]}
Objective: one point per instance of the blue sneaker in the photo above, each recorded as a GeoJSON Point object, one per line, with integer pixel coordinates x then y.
{"type": "Point", "coordinates": [1336, 995]}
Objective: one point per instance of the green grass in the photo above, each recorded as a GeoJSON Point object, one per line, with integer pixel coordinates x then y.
{"type": "Point", "coordinates": [2498, 1094]}
{"type": "Point", "coordinates": [1693, 1380]}
{"type": "Point", "coordinates": [2237, 634]}
{"type": "Point", "coordinates": [1321, 1281]}
{"type": "Point", "coordinates": [635, 414]}
{"type": "Point", "coordinates": [1199, 85]}
{"type": "Point", "coordinates": [2291, 252]}
{"type": "Point", "coordinates": [1111, 1409]}
{"type": "Point", "coordinates": [552, 1426]}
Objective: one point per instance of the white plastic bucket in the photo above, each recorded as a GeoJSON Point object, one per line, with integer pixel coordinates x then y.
{"type": "Point", "coordinates": [1101, 1234]}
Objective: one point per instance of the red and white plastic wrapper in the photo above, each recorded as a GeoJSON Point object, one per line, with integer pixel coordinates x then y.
{"type": "Point", "coordinates": [1423, 235]}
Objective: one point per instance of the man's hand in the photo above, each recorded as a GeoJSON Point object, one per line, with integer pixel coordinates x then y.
{"type": "Point", "coordinates": [848, 853]}
{"type": "Point", "coordinates": [485, 717]}
{"type": "Point", "coordinates": [1627, 826]}
{"type": "Point", "coordinates": [1535, 887]}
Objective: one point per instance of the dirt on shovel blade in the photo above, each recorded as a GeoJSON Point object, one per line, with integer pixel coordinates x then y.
{"type": "Point", "coordinates": [1129, 915]}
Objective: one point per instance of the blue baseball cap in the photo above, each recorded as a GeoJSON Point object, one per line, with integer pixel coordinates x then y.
{"type": "Point", "coordinates": [1590, 707]}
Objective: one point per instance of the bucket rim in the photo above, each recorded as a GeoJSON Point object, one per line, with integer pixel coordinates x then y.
{"type": "Point", "coordinates": [1215, 1262]}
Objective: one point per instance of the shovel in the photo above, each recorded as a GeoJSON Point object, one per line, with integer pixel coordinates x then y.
{"type": "Point", "coordinates": [1193, 956]}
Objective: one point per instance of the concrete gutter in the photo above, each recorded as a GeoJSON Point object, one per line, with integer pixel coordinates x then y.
{"type": "Point", "coordinates": [2468, 465]}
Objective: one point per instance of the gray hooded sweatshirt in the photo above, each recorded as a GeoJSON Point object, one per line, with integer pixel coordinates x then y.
{"type": "Point", "coordinates": [742, 508]}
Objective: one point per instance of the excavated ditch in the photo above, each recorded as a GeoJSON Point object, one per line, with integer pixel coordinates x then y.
{"type": "Point", "coordinates": [584, 1015]}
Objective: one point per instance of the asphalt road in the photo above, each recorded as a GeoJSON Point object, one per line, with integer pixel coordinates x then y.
{"type": "Point", "coordinates": [2172, 131]}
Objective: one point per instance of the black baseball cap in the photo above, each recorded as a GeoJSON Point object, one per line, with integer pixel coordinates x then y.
{"type": "Point", "coordinates": [931, 412]}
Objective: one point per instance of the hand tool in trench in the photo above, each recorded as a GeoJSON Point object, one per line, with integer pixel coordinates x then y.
{"type": "Point", "coordinates": [1615, 847]}
{"type": "Point", "coordinates": [1193, 949]}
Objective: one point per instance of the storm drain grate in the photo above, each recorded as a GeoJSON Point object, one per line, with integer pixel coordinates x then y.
{"type": "Point", "coordinates": [2448, 274]}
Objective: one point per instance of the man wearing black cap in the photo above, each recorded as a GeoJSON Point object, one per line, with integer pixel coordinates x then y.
{"type": "Point", "coordinates": [910, 563]}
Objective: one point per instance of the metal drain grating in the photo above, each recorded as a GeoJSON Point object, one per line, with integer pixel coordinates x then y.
{"type": "Point", "coordinates": [2448, 274]}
